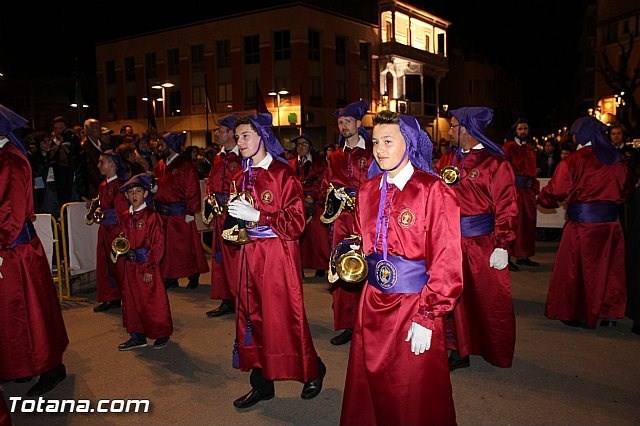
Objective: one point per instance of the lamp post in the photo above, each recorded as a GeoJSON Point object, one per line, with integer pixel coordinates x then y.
{"type": "Point", "coordinates": [162, 86]}
{"type": "Point", "coordinates": [277, 95]}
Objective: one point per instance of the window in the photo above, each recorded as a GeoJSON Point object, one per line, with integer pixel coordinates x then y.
{"type": "Point", "coordinates": [132, 104]}
{"type": "Point", "coordinates": [341, 51]}
{"type": "Point", "coordinates": [197, 57]}
{"type": "Point", "coordinates": [440, 50]}
{"type": "Point", "coordinates": [252, 49]}
{"type": "Point", "coordinates": [198, 95]}
{"type": "Point", "coordinates": [282, 45]}
{"type": "Point", "coordinates": [249, 91]}
{"type": "Point", "coordinates": [316, 90]}
{"type": "Point", "coordinates": [150, 66]}
{"type": "Point", "coordinates": [173, 61]}
{"type": "Point", "coordinates": [130, 68]}
{"type": "Point", "coordinates": [110, 71]}
{"type": "Point", "coordinates": [224, 92]}
{"type": "Point", "coordinates": [365, 55]}
{"type": "Point", "coordinates": [341, 93]}
{"type": "Point", "coordinates": [223, 53]}
{"type": "Point", "coordinates": [314, 45]}
{"type": "Point", "coordinates": [174, 103]}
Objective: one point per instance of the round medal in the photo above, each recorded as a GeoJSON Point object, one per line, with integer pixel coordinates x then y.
{"type": "Point", "coordinates": [386, 274]}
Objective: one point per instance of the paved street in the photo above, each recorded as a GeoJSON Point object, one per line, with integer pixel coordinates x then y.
{"type": "Point", "coordinates": [561, 375]}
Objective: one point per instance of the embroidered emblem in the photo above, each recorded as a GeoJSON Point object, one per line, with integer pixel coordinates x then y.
{"type": "Point", "coordinates": [406, 218]}
{"type": "Point", "coordinates": [386, 274]}
{"type": "Point", "coordinates": [140, 224]}
{"type": "Point", "coordinates": [474, 173]}
{"type": "Point", "coordinates": [267, 196]}
{"type": "Point", "coordinates": [363, 162]}
{"type": "Point", "coordinates": [233, 167]}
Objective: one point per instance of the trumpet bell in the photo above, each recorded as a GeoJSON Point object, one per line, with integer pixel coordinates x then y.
{"type": "Point", "coordinates": [450, 175]}
{"type": "Point", "coordinates": [236, 235]}
{"type": "Point", "coordinates": [119, 246]}
{"type": "Point", "coordinates": [352, 267]}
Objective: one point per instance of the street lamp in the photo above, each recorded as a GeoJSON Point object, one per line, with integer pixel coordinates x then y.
{"type": "Point", "coordinates": [162, 86]}
{"type": "Point", "coordinates": [277, 95]}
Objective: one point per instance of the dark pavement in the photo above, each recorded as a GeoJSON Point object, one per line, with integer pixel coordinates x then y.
{"type": "Point", "coordinates": [560, 375]}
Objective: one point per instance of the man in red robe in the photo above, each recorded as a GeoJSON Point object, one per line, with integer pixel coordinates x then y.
{"type": "Point", "coordinates": [178, 200]}
{"type": "Point", "coordinates": [226, 164]}
{"type": "Point", "coordinates": [273, 338]}
{"type": "Point", "coordinates": [347, 168]}
{"type": "Point", "coordinates": [309, 167]}
{"type": "Point", "coordinates": [112, 203]}
{"type": "Point", "coordinates": [523, 158]}
{"type": "Point", "coordinates": [408, 218]}
{"type": "Point", "coordinates": [588, 280]}
{"type": "Point", "coordinates": [33, 337]}
{"type": "Point", "coordinates": [145, 307]}
{"type": "Point", "coordinates": [488, 214]}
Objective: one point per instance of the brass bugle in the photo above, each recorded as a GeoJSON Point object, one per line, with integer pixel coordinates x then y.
{"type": "Point", "coordinates": [450, 175]}
{"type": "Point", "coordinates": [94, 213]}
{"type": "Point", "coordinates": [119, 246]}
{"type": "Point", "coordinates": [211, 209]}
{"type": "Point", "coordinates": [237, 233]}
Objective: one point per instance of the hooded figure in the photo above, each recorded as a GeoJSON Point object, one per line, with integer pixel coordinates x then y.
{"type": "Point", "coordinates": [175, 141]}
{"type": "Point", "coordinates": [476, 120]}
{"type": "Point", "coordinates": [356, 110]}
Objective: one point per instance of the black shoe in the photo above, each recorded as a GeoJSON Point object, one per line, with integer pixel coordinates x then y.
{"type": "Point", "coordinates": [132, 344]}
{"type": "Point", "coordinates": [251, 399]}
{"type": "Point", "coordinates": [160, 343]}
{"type": "Point", "coordinates": [223, 309]}
{"type": "Point", "coordinates": [312, 389]}
{"type": "Point", "coordinates": [171, 283]}
{"type": "Point", "coordinates": [513, 267]}
{"type": "Point", "coordinates": [635, 328]}
{"type": "Point", "coordinates": [193, 284]}
{"type": "Point", "coordinates": [608, 323]}
{"type": "Point", "coordinates": [573, 323]}
{"type": "Point", "coordinates": [527, 262]}
{"type": "Point", "coordinates": [455, 363]}
{"type": "Point", "coordinates": [344, 337]}
{"type": "Point", "coordinates": [105, 306]}
{"type": "Point", "coordinates": [23, 380]}
{"type": "Point", "coordinates": [48, 380]}
{"type": "Point", "coordinates": [319, 273]}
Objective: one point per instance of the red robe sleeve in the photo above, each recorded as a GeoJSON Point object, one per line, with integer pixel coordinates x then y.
{"type": "Point", "coordinates": [156, 240]}
{"type": "Point", "coordinates": [15, 206]}
{"type": "Point", "coordinates": [503, 193]}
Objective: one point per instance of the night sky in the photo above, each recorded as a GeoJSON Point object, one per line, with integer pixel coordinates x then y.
{"type": "Point", "coordinates": [537, 41]}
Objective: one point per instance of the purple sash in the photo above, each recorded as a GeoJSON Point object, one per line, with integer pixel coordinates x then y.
{"type": "Point", "coordinates": [110, 217]}
{"type": "Point", "coordinates": [172, 209]}
{"type": "Point", "coordinates": [593, 212]}
{"type": "Point", "coordinates": [27, 233]}
{"type": "Point", "coordinates": [404, 276]}
{"type": "Point", "coordinates": [139, 255]}
{"type": "Point", "coordinates": [480, 224]}
{"type": "Point", "coordinates": [262, 231]}
{"type": "Point", "coordinates": [524, 182]}
{"type": "Point", "coordinates": [222, 198]}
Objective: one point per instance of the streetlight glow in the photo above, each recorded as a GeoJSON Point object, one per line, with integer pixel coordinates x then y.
{"type": "Point", "coordinates": [162, 86]}
{"type": "Point", "coordinates": [277, 94]}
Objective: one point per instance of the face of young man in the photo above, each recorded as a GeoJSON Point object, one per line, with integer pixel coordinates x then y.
{"type": "Point", "coordinates": [248, 140]}
{"type": "Point", "coordinates": [522, 131]}
{"type": "Point", "coordinates": [348, 126]}
{"type": "Point", "coordinates": [616, 136]}
{"type": "Point", "coordinates": [106, 166]}
{"type": "Point", "coordinates": [303, 147]}
{"type": "Point", "coordinates": [136, 196]}
{"type": "Point", "coordinates": [225, 138]}
{"type": "Point", "coordinates": [389, 147]}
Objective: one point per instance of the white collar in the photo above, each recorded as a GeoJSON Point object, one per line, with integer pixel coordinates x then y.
{"type": "Point", "coordinates": [264, 164]}
{"type": "Point", "coordinates": [112, 178]}
{"type": "Point", "coordinates": [142, 206]}
{"type": "Point", "coordinates": [403, 176]}
{"type": "Point", "coordinates": [235, 150]}
{"type": "Point", "coordinates": [519, 141]}
{"type": "Point", "coordinates": [169, 160]}
{"type": "Point", "coordinates": [478, 146]}
{"type": "Point", "coordinates": [308, 156]}
{"type": "Point", "coordinates": [98, 147]}
{"type": "Point", "coordinates": [361, 143]}
{"type": "Point", "coordinates": [3, 142]}
{"type": "Point", "coordinates": [580, 146]}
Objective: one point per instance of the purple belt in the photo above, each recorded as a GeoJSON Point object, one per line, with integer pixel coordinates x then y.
{"type": "Point", "coordinates": [479, 224]}
{"type": "Point", "coordinates": [396, 274]}
{"type": "Point", "coordinates": [524, 182]}
{"type": "Point", "coordinates": [262, 231]}
{"type": "Point", "coordinates": [110, 217]}
{"type": "Point", "coordinates": [221, 198]}
{"type": "Point", "coordinates": [138, 255]}
{"type": "Point", "coordinates": [351, 192]}
{"type": "Point", "coordinates": [171, 209]}
{"type": "Point", "coordinates": [593, 212]}
{"type": "Point", "coordinates": [27, 233]}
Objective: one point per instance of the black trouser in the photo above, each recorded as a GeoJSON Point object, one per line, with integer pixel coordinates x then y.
{"type": "Point", "coordinates": [259, 383]}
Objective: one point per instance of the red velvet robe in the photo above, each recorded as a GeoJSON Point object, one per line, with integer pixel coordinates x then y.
{"type": "Point", "coordinates": [347, 170]}
{"type": "Point", "coordinates": [484, 320]}
{"type": "Point", "coordinates": [281, 342]}
{"type": "Point", "coordinates": [386, 383]}
{"type": "Point", "coordinates": [223, 169]}
{"type": "Point", "coordinates": [315, 242]}
{"type": "Point", "coordinates": [588, 280]}
{"type": "Point", "coordinates": [178, 182]}
{"type": "Point", "coordinates": [145, 306]}
{"type": "Point", "coordinates": [5, 419]}
{"type": "Point", "coordinates": [108, 274]}
{"type": "Point", "coordinates": [523, 160]}
{"type": "Point", "coordinates": [32, 332]}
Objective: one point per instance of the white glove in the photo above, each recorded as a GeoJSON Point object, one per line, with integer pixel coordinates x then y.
{"type": "Point", "coordinates": [499, 259]}
{"type": "Point", "coordinates": [242, 209]}
{"type": "Point", "coordinates": [1, 260]}
{"type": "Point", "coordinates": [420, 338]}
{"type": "Point", "coordinates": [188, 218]}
